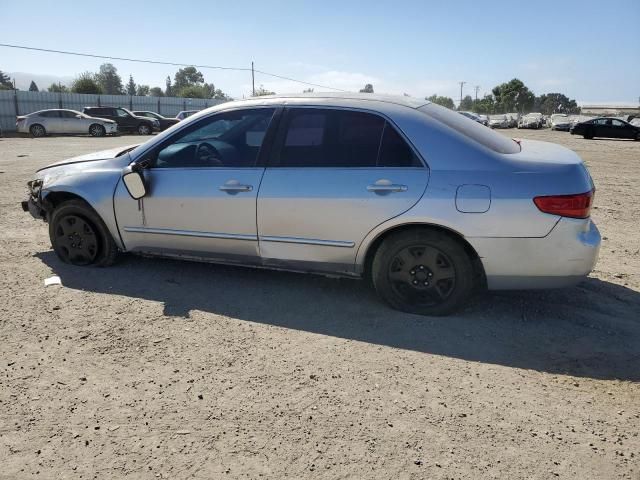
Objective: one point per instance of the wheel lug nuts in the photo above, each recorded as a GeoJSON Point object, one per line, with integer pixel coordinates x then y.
{"type": "Point", "coordinates": [421, 267]}
{"type": "Point", "coordinates": [415, 282]}
{"type": "Point", "coordinates": [426, 283]}
{"type": "Point", "coordinates": [412, 272]}
{"type": "Point", "coordinates": [431, 274]}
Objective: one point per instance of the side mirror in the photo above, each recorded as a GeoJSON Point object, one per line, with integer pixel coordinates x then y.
{"type": "Point", "coordinates": [134, 181]}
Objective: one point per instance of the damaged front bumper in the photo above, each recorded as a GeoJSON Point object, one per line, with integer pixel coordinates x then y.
{"type": "Point", "coordinates": [34, 207]}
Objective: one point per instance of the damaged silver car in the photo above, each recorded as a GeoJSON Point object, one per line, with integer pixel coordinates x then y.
{"type": "Point", "coordinates": [428, 204]}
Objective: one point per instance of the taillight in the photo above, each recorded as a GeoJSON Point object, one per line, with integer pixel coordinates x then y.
{"type": "Point", "coordinates": [574, 206]}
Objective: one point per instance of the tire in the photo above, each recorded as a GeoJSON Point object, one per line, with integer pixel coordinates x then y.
{"type": "Point", "coordinates": [37, 131]}
{"type": "Point", "coordinates": [637, 139]}
{"type": "Point", "coordinates": [406, 264]}
{"type": "Point", "coordinates": [144, 129]}
{"type": "Point", "coordinates": [80, 237]}
{"type": "Point", "coordinates": [97, 130]}
{"type": "Point", "coordinates": [588, 134]}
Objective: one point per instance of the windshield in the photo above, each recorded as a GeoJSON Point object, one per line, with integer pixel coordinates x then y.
{"type": "Point", "coordinates": [471, 129]}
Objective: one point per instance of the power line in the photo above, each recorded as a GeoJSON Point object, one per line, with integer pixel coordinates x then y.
{"type": "Point", "coordinates": [158, 62]}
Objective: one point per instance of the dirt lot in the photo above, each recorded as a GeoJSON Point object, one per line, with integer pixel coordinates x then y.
{"type": "Point", "coordinates": [163, 369]}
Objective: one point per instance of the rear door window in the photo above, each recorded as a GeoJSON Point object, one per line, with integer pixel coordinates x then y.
{"type": "Point", "coordinates": [317, 137]}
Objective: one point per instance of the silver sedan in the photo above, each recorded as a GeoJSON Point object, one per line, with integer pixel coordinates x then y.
{"type": "Point", "coordinates": [60, 121]}
{"type": "Point", "coordinates": [425, 202]}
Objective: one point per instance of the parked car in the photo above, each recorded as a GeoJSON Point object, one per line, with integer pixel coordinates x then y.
{"type": "Point", "coordinates": [606, 127]}
{"type": "Point", "coordinates": [513, 119]}
{"type": "Point", "coordinates": [185, 114]}
{"type": "Point", "coordinates": [560, 121]}
{"type": "Point", "coordinates": [59, 121]}
{"type": "Point", "coordinates": [499, 121]}
{"type": "Point", "coordinates": [164, 121]}
{"type": "Point", "coordinates": [426, 203]}
{"type": "Point", "coordinates": [476, 118]}
{"type": "Point", "coordinates": [126, 120]}
{"type": "Point", "coordinates": [530, 120]}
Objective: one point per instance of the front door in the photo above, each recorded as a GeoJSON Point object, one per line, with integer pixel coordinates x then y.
{"type": "Point", "coordinates": [202, 188]}
{"type": "Point", "coordinates": [333, 176]}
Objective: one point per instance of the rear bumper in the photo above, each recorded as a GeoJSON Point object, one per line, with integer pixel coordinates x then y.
{"type": "Point", "coordinates": [563, 258]}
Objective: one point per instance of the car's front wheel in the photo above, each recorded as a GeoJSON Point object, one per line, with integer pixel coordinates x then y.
{"type": "Point", "coordinates": [79, 236]}
{"type": "Point", "coordinates": [423, 271]}
{"type": "Point", "coordinates": [144, 129]}
{"type": "Point", "coordinates": [37, 131]}
{"type": "Point", "coordinates": [588, 134]}
{"type": "Point", "coordinates": [97, 130]}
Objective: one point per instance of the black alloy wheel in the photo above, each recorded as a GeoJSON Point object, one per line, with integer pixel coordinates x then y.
{"type": "Point", "coordinates": [76, 240]}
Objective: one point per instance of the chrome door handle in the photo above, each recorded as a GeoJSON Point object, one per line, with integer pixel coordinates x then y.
{"type": "Point", "coordinates": [235, 187]}
{"type": "Point", "coordinates": [382, 188]}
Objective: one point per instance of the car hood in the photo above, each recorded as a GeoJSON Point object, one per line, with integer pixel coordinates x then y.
{"type": "Point", "coordinates": [112, 153]}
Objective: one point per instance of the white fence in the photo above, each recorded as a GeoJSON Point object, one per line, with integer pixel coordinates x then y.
{"type": "Point", "coordinates": [14, 103]}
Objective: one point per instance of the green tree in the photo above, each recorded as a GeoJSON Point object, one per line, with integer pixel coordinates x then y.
{"type": "Point", "coordinates": [555, 103]}
{"type": "Point", "coordinates": [187, 77]}
{"type": "Point", "coordinates": [169, 90]}
{"type": "Point", "coordinates": [108, 79]}
{"type": "Point", "coordinates": [86, 83]}
{"type": "Point", "coordinates": [131, 86]}
{"type": "Point", "coordinates": [368, 88]}
{"type": "Point", "coordinates": [5, 82]}
{"type": "Point", "coordinates": [484, 105]}
{"type": "Point", "coordinates": [33, 87]}
{"type": "Point", "coordinates": [143, 90]}
{"type": "Point", "coordinates": [261, 92]}
{"type": "Point", "coordinates": [58, 88]}
{"type": "Point", "coordinates": [466, 104]}
{"type": "Point", "coordinates": [156, 92]}
{"type": "Point", "coordinates": [307, 90]}
{"type": "Point", "coordinates": [195, 91]}
{"type": "Point", "coordinates": [513, 96]}
{"type": "Point", "coordinates": [440, 100]}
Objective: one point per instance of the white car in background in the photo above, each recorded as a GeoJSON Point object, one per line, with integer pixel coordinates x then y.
{"type": "Point", "coordinates": [185, 114]}
{"type": "Point", "coordinates": [499, 121]}
{"type": "Point", "coordinates": [530, 120]}
{"type": "Point", "coordinates": [59, 121]}
{"type": "Point", "coordinates": [560, 121]}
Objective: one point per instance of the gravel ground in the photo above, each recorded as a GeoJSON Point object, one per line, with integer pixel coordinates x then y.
{"type": "Point", "coordinates": [165, 369]}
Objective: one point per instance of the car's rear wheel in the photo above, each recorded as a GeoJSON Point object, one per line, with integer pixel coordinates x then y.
{"type": "Point", "coordinates": [144, 129]}
{"type": "Point", "coordinates": [588, 134]}
{"type": "Point", "coordinates": [423, 271]}
{"type": "Point", "coordinates": [97, 130]}
{"type": "Point", "coordinates": [637, 136]}
{"type": "Point", "coordinates": [37, 131]}
{"type": "Point", "coordinates": [79, 236]}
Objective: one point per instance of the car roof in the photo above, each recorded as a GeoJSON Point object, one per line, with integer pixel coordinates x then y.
{"type": "Point", "coordinates": [346, 98]}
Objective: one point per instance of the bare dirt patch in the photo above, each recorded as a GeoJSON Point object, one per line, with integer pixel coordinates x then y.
{"type": "Point", "coordinates": [164, 369]}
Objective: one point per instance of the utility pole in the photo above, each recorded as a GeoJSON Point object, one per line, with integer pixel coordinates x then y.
{"type": "Point", "coordinates": [477, 87]}
{"type": "Point", "coordinates": [461, 85]}
{"type": "Point", "coordinates": [253, 81]}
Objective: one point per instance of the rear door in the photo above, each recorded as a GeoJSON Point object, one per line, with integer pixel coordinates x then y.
{"type": "Point", "coordinates": [51, 121]}
{"type": "Point", "coordinates": [622, 129]}
{"type": "Point", "coordinates": [334, 175]}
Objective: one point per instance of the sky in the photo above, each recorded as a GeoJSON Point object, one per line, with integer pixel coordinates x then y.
{"type": "Point", "coordinates": [587, 49]}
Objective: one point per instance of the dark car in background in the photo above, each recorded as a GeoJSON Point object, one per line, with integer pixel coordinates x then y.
{"type": "Point", "coordinates": [606, 127]}
{"type": "Point", "coordinates": [127, 121]}
{"type": "Point", "coordinates": [164, 121]}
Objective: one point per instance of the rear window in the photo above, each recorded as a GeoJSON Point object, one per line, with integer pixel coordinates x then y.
{"type": "Point", "coordinates": [472, 129]}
